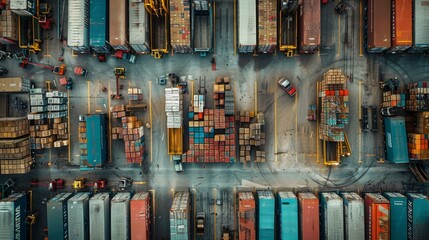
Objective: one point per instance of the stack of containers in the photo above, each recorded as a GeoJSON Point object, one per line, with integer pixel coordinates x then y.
{"type": "Point", "coordinates": [8, 26]}
{"type": "Point", "coordinates": [418, 142]}
{"type": "Point", "coordinates": [120, 216]}
{"type": "Point", "coordinates": [13, 211]}
{"type": "Point", "coordinates": [377, 218]}
{"type": "Point", "coordinates": [418, 216]}
{"type": "Point", "coordinates": [266, 210]}
{"type": "Point", "coordinates": [221, 89]}
{"type": "Point", "coordinates": [78, 216]}
{"type": "Point", "coordinates": [83, 141]}
{"type": "Point", "coordinates": [267, 26]}
{"type": "Point", "coordinates": [140, 216]}
{"type": "Point", "coordinates": [118, 111]}
{"type": "Point", "coordinates": [246, 216]}
{"type": "Point", "coordinates": [418, 96]}
{"type": "Point", "coordinates": [229, 98]}
{"type": "Point", "coordinates": [199, 104]}
{"type": "Point", "coordinates": [244, 143]}
{"type": "Point", "coordinates": [331, 210]}
{"type": "Point", "coordinates": [134, 139]}
{"type": "Point", "coordinates": [173, 107]}
{"type": "Point", "coordinates": [135, 94]}
{"type": "Point", "coordinates": [180, 26]}
{"type": "Point", "coordinates": [335, 110]}
{"type": "Point", "coordinates": [58, 216]}
{"type": "Point", "coordinates": [38, 104]}
{"type": "Point", "coordinates": [180, 216]}
{"type": "Point", "coordinates": [354, 227]}
{"type": "Point", "coordinates": [393, 99]}
{"type": "Point", "coordinates": [309, 216]}
{"type": "Point", "coordinates": [99, 216]}
{"type": "Point", "coordinates": [14, 146]}
{"type": "Point", "coordinates": [398, 215]}
{"type": "Point", "coordinates": [288, 215]}
{"type": "Point", "coordinates": [57, 110]}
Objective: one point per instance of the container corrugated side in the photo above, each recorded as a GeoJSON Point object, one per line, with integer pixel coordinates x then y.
{"type": "Point", "coordinates": [309, 216]}
{"type": "Point", "coordinates": [96, 137]}
{"type": "Point", "coordinates": [120, 216]}
{"type": "Point", "coordinates": [354, 214]}
{"type": "Point", "coordinates": [402, 25]}
{"type": "Point", "coordinates": [78, 216]}
{"type": "Point", "coordinates": [98, 26]}
{"type": "Point", "coordinates": [267, 26]}
{"type": "Point", "coordinates": [398, 215]}
{"type": "Point", "coordinates": [420, 26]}
{"type": "Point", "coordinates": [288, 216]}
{"type": "Point", "coordinates": [246, 216]}
{"type": "Point", "coordinates": [418, 216]}
{"type": "Point", "coordinates": [13, 211]}
{"type": "Point", "coordinates": [78, 25]}
{"type": "Point", "coordinates": [180, 216]}
{"type": "Point", "coordinates": [378, 26]}
{"type": "Point", "coordinates": [180, 26]}
{"type": "Point", "coordinates": [139, 29]}
{"type": "Point", "coordinates": [246, 26]}
{"type": "Point", "coordinates": [266, 215]}
{"type": "Point", "coordinates": [57, 216]}
{"type": "Point", "coordinates": [377, 218]}
{"type": "Point", "coordinates": [332, 212]}
{"type": "Point", "coordinates": [309, 26]}
{"type": "Point", "coordinates": [396, 140]}
{"type": "Point", "coordinates": [140, 216]}
{"type": "Point", "coordinates": [118, 25]}
{"type": "Point", "coordinates": [99, 216]}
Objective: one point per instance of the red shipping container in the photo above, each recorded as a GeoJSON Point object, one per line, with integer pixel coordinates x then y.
{"type": "Point", "coordinates": [309, 216]}
{"type": "Point", "coordinates": [377, 219]}
{"type": "Point", "coordinates": [246, 216]}
{"type": "Point", "coordinates": [140, 216]}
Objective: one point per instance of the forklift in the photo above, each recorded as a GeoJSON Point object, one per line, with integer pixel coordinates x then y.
{"type": "Point", "coordinates": [119, 74]}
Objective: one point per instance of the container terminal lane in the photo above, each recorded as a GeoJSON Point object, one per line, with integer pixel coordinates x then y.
{"type": "Point", "coordinates": [223, 119]}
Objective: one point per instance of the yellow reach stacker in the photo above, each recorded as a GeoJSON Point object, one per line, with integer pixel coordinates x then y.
{"type": "Point", "coordinates": [159, 26]}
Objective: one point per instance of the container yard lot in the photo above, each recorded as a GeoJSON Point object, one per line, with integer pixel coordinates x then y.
{"type": "Point", "coordinates": [293, 154]}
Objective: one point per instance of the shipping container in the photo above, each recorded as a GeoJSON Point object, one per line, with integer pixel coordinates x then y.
{"type": "Point", "coordinates": [159, 28]}
{"type": "Point", "coordinates": [140, 214]}
{"type": "Point", "coordinates": [420, 26]}
{"type": "Point", "coordinates": [402, 25]}
{"type": "Point", "coordinates": [78, 25]}
{"type": "Point", "coordinates": [246, 26]}
{"type": "Point", "coordinates": [202, 26]}
{"type": "Point", "coordinates": [378, 26]}
{"type": "Point", "coordinates": [23, 7]}
{"type": "Point", "coordinates": [78, 216]}
{"type": "Point", "coordinates": [13, 211]}
{"type": "Point", "coordinates": [309, 26]}
{"type": "Point", "coordinates": [332, 220]}
{"type": "Point", "coordinates": [246, 216]}
{"type": "Point", "coordinates": [265, 210]}
{"type": "Point", "coordinates": [57, 216]}
{"type": "Point", "coordinates": [309, 216]}
{"type": "Point", "coordinates": [377, 218]}
{"type": "Point", "coordinates": [354, 214]}
{"type": "Point", "coordinates": [180, 26]}
{"type": "Point", "coordinates": [98, 26]}
{"type": "Point", "coordinates": [418, 216]}
{"type": "Point", "coordinates": [118, 25]}
{"type": "Point", "coordinates": [15, 84]}
{"type": "Point", "coordinates": [397, 215]}
{"type": "Point", "coordinates": [396, 139]}
{"type": "Point", "coordinates": [9, 27]}
{"type": "Point", "coordinates": [267, 26]}
{"type": "Point", "coordinates": [99, 217]}
{"type": "Point", "coordinates": [96, 135]}
{"type": "Point", "coordinates": [139, 27]}
{"type": "Point", "coordinates": [288, 26]}
{"type": "Point", "coordinates": [120, 216]}
{"type": "Point", "coordinates": [180, 217]}
{"type": "Point", "coordinates": [288, 216]}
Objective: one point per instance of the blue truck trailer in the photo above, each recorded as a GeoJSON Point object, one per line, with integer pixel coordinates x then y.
{"type": "Point", "coordinates": [265, 213]}
{"type": "Point", "coordinates": [396, 139]}
{"type": "Point", "coordinates": [98, 26]}
{"type": "Point", "coordinates": [13, 211]}
{"type": "Point", "coordinates": [96, 134]}
{"type": "Point", "coordinates": [418, 216]}
{"type": "Point", "coordinates": [287, 206]}
{"type": "Point", "coordinates": [398, 215]}
{"type": "Point", "coordinates": [57, 216]}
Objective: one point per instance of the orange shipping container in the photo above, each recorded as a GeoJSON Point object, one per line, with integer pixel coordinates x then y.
{"type": "Point", "coordinates": [377, 220]}
{"type": "Point", "coordinates": [140, 216]}
{"type": "Point", "coordinates": [246, 216]}
{"type": "Point", "coordinates": [402, 25]}
{"type": "Point", "coordinates": [309, 216]}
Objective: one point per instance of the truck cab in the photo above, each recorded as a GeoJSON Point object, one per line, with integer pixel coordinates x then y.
{"type": "Point", "coordinates": [177, 160]}
{"type": "Point", "coordinates": [201, 218]}
{"type": "Point", "coordinates": [287, 86]}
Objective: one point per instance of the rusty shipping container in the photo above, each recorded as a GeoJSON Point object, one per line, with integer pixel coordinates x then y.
{"type": "Point", "coordinates": [246, 216]}
{"type": "Point", "coordinates": [140, 216]}
{"type": "Point", "coordinates": [309, 216]}
{"type": "Point", "coordinates": [378, 25]}
{"type": "Point", "coordinates": [420, 26]}
{"type": "Point", "coordinates": [377, 221]}
{"type": "Point", "coordinates": [267, 26]}
{"type": "Point", "coordinates": [118, 24]}
{"type": "Point", "coordinates": [402, 25]}
{"type": "Point", "coordinates": [309, 26]}
{"type": "Point", "coordinates": [180, 26]}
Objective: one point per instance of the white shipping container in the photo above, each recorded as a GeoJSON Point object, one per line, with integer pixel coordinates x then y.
{"type": "Point", "coordinates": [354, 225]}
{"type": "Point", "coordinates": [23, 7]}
{"type": "Point", "coordinates": [120, 216]}
{"type": "Point", "coordinates": [246, 26]}
{"type": "Point", "coordinates": [332, 216]}
{"type": "Point", "coordinates": [138, 26]}
{"type": "Point", "coordinates": [78, 25]}
{"type": "Point", "coordinates": [99, 216]}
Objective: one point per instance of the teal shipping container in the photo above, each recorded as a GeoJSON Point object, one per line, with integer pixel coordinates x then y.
{"type": "Point", "coordinates": [396, 140]}
{"type": "Point", "coordinates": [354, 215]}
{"type": "Point", "coordinates": [288, 216]}
{"type": "Point", "coordinates": [418, 216]}
{"type": "Point", "coordinates": [13, 211]}
{"type": "Point", "coordinates": [265, 213]}
{"type": "Point", "coordinates": [98, 26]}
{"type": "Point", "coordinates": [57, 216]}
{"type": "Point", "coordinates": [96, 137]}
{"type": "Point", "coordinates": [398, 215]}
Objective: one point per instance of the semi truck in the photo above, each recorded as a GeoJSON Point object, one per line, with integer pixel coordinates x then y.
{"type": "Point", "coordinates": [98, 27]}
{"type": "Point", "coordinates": [159, 23]}
{"type": "Point", "coordinates": [78, 27]}
{"type": "Point", "coordinates": [202, 26]}
{"type": "Point", "coordinates": [288, 25]}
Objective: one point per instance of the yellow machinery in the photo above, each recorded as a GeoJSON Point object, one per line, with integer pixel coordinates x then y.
{"type": "Point", "coordinates": [175, 141]}
{"type": "Point", "coordinates": [79, 183]}
{"type": "Point", "coordinates": [288, 32]}
{"type": "Point", "coordinates": [159, 26]}
{"type": "Point", "coordinates": [29, 34]}
{"type": "Point", "coordinates": [342, 149]}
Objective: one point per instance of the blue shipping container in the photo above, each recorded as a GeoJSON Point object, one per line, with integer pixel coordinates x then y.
{"type": "Point", "coordinates": [98, 26]}
{"type": "Point", "coordinates": [288, 216]}
{"type": "Point", "coordinates": [13, 211]}
{"type": "Point", "coordinates": [396, 140]}
{"type": "Point", "coordinates": [418, 216]}
{"type": "Point", "coordinates": [266, 208]}
{"type": "Point", "coordinates": [57, 216]}
{"type": "Point", "coordinates": [96, 137]}
{"type": "Point", "coordinates": [398, 215]}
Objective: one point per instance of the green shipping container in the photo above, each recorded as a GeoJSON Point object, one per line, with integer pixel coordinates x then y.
{"type": "Point", "coordinates": [396, 140]}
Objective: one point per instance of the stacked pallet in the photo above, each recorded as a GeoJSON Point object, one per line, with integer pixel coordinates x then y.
{"type": "Point", "coordinates": [16, 166]}
{"type": "Point", "coordinates": [244, 143]}
{"type": "Point", "coordinates": [246, 116]}
{"type": "Point", "coordinates": [134, 140]}
{"type": "Point", "coordinates": [180, 26]}
{"type": "Point", "coordinates": [251, 136]}
{"type": "Point", "coordinates": [135, 94]}
{"type": "Point", "coordinates": [223, 95]}
{"type": "Point", "coordinates": [118, 111]}
{"type": "Point", "coordinates": [117, 133]}
{"type": "Point", "coordinates": [267, 26]}
{"type": "Point", "coordinates": [391, 99]}
{"type": "Point", "coordinates": [418, 96]}
{"type": "Point", "coordinates": [418, 146]}
{"type": "Point", "coordinates": [8, 27]}
{"type": "Point", "coordinates": [334, 110]}
{"type": "Point", "coordinates": [173, 107]}
{"type": "Point", "coordinates": [199, 103]}
{"type": "Point", "coordinates": [83, 141]}
{"type": "Point", "coordinates": [260, 156]}
{"type": "Point", "coordinates": [13, 127]}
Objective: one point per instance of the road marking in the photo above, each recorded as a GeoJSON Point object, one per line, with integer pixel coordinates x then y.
{"type": "Point", "coordinates": [275, 126]}
{"type": "Point", "coordinates": [235, 28]}
{"type": "Point", "coordinates": [235, 216]}
{"type": "Point", "coordinates": [192, 92]}
{"type": "Point", "coordinates": [214, 26]}
{"type": "Point", "coordinates": [139, 183]}
{"type": "Point", "coordinates": [110, 121]}
{"type": "Point", "coordinates": [296, 126]}
{"type": "Point", "coordinates": [68, 122]}
{"type": "Point", "coordinates": [360, 117]}
{"type": "Point", "coordinates": [154, 212]}
{"type": "Point", "coordinates": [360, 29]}
{"type": "Point", "coordinates": [317, 122]}
{"type": "Point", "coordinates": [256, 97]}
{"type": "Point", "coordinates": [214, 214]}
{"type": "Point", "coordinates": [195, 212]}
{"type": "Point", "coordinates": [73, 54]}
{"type": "Point", "coordinates": [88, 92]}
{"type": "Point", "coordinates": [339, 35]}
{"type": "Point", "coordinates": [150, 119]}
